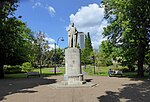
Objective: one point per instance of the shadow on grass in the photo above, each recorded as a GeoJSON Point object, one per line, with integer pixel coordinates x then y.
{"type": "Point", "coordinates": [133, 76]}
{"type": "Point", "coordinates": [130, 93]}
{"type": "Point", "coordinates": [21, 85]}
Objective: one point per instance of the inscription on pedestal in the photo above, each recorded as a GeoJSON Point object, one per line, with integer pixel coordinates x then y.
{"type": "Point", "coordinates": [73, 71]}
{"type": "Point", "coordinates": [72, 61]}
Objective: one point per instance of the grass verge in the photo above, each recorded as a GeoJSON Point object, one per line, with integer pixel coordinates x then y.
{"type": "Point", "coordinates": [45, 72]}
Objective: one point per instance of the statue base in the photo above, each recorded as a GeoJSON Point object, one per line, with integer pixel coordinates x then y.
{"type": "Point", "coordinates": [73, 79]}
{"type": "Point", "coordinates": [73, 71]}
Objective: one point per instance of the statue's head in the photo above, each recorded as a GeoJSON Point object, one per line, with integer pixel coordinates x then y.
{"type": "Point", "coordinates": [72, 24]}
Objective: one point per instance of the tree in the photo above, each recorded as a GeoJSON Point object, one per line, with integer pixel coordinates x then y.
{"type": "Point", "coordinates": [41, 48]}
{"type": "Point", "coordinates": [147, 58]}
{"type": "Point", "coordinates": [59, 56]}
{"type": "Point", "coordinates": [86, 52]}
{"type": "Point", "coordinates": [6, 8]}
{"type": "Point", "coordinates": [16, 38]}
{"type": "Point", "coordinates": [105, 53]}
{"type": "Point", "coordinates": [88, 43]}
{"type": "Point", "coordinates": [129, 28]}
{"type": "Point", "coordinates": [15, 42]}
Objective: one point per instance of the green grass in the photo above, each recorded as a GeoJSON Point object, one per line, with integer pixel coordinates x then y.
{"type": "Point", "coordinates": [134, 75]}
{"type": "Point", "coordinates": [99, 71]}
{"type": "Point", "coordinates": [45, 72]}
{"type": "Point", "coordinates": [103, 71]}
{"type": "Point", "coordinates": [50, 71]}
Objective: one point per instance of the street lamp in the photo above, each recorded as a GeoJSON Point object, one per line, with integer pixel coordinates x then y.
{"type": "Point", "coordinates": [62, 39]}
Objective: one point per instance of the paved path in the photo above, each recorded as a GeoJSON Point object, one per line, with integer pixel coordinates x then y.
{"type": "Point", "coordinates": [109, 89]}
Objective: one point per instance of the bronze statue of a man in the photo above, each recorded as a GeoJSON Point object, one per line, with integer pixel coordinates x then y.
{"type": "Point", "coordinates": [72, 36]}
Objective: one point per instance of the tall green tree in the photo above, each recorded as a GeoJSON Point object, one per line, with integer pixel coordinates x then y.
{"type": "Point", "coordinates": [41, 48]}
{"type": "Point", "coordinates": [129, 28]}
{"type": "Point", "coordinates": [88, 43]}
{"type": "Point", "coordinates": [15, 37]}
{"type": "Point", "coordinates": [6, 8]}
{"type": "Point", "coordinates": [105, 52]}
{"type": "Point", "coordinates": [88, 49]}
{"type": "Point", "coordinates": [7, 26]}
{"type": "Point", "coordinates": [16, 43]}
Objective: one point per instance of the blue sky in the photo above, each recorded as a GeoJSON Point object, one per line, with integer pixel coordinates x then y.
{"type": "Point", "coordinates": [54, 16]}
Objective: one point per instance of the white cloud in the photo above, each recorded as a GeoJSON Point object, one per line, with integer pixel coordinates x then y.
{"type": "Point", "coordinates": [37, 4]}
{"type": "Point", "coordinates": [50, 40]}
{"type": "Point", "coordinates": [40, 4]}
{"type": "Point", "coordinates": [51, 10]}
{"type": "Point", "coordinates": [90, 19]}
{"type": "Point", "coordinates": [51, 43]}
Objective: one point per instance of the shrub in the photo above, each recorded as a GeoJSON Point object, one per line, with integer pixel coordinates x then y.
{"type": "Point", "coordinates": [26, 67]}
{"type": "Point", "coordinates": [12, 69]}
{"type": "Point", "coordinates": [125, 70]}
{"type": "Point", "coordinates": [131, 68]}
{"type": "Point", "coordinates": [122, 69]}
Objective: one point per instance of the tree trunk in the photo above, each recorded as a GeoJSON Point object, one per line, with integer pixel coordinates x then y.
{"type": "Point", "coordinates": [1, 71]}
{"type": "Point", "coordinates": [141, 56]}
{"type": "Point", "coordinates": [140, 68]}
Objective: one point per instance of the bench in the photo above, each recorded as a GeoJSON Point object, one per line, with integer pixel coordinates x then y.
{"type": "Point", "coordinates": [33, 74]}
{"type": "Point", "coordinates": [116, 72]}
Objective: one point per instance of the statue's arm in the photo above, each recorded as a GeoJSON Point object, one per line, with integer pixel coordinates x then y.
{"type": "Point", "coordinates": [76, 31]}
{"type": "Point", "coordinates": [68, 30]}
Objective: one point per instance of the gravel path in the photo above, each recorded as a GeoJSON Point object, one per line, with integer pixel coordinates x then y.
{"type": "Point", "coordinates": [108, 89]}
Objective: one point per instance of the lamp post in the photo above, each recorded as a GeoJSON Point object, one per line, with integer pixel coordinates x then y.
{"type": "Point", "coordinates": [62, 39]}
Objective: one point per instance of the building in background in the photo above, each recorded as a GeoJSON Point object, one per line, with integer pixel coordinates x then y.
{"type": "Point", "coordinates": [81, 39]}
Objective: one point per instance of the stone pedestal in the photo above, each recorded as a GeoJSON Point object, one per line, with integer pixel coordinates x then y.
{"type": "Point", "coordinates": [73, 71]}
{"type": "Point", "coordinates": [73, 77]}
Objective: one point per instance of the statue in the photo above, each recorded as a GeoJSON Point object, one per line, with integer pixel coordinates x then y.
{"type": "Point", "coordinates": [72, 36]}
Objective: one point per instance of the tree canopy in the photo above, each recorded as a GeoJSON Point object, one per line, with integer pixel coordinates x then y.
{"type": "Point", "coordinates": [15, 37]}
{"type": "Point", "coordinates": [105, 51]}
{"type": "Point", "coordinates": [129, 28]}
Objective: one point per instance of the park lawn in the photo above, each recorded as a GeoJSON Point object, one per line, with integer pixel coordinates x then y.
{"type": "Point", "coordinates": [50, 71]}
{"type": "Point", "coordinates": [99, 71]}
{"type": "Point", "coordinates": [103, 71]}
{"type": "Point", "coordinates": [134, 75]}
{"type": "Point", "coordinates": [45, 72]}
